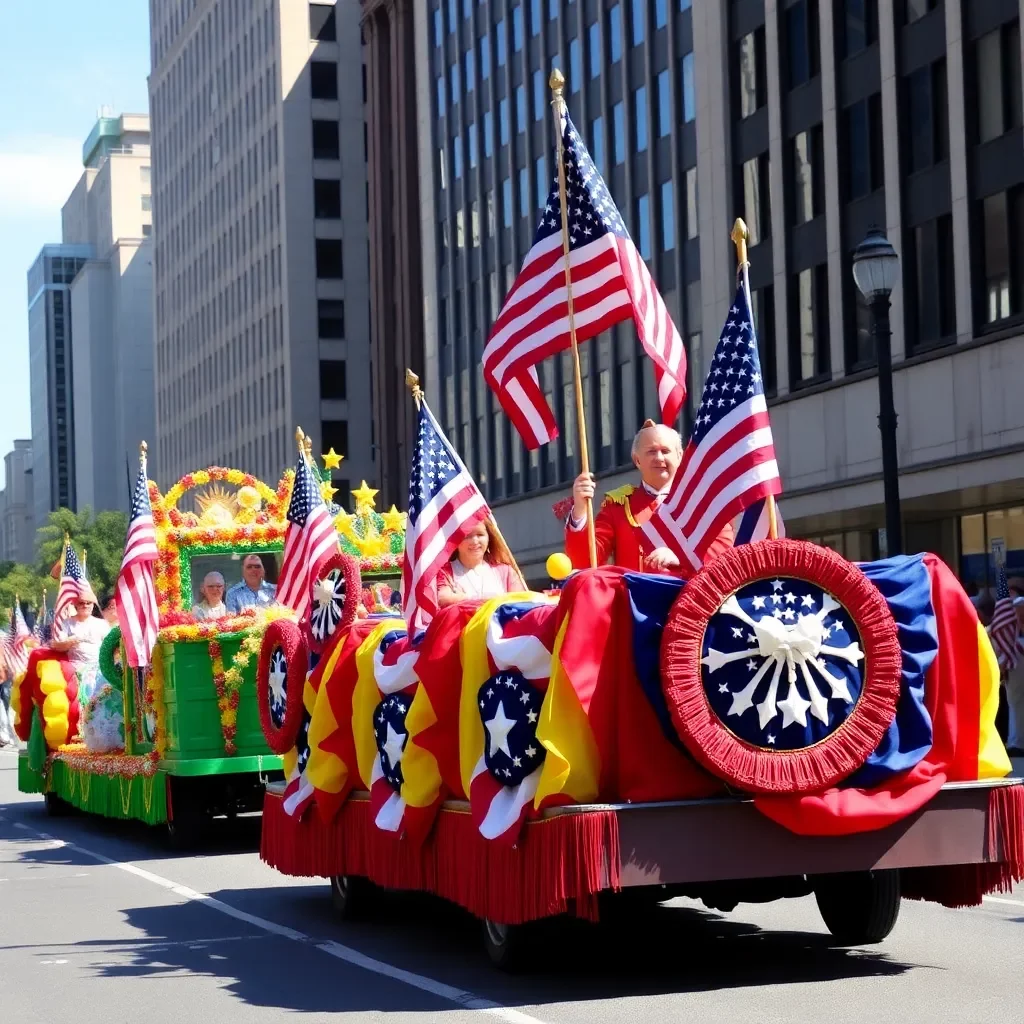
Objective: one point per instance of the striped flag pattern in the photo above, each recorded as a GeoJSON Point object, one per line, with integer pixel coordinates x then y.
{"type": "Point", "coordinates": [754, 524]}
{"type": "Point", "coordinates": [444, 503]}
{"type": "Point", "coordinates": [14, 643]}
{"type": "Point", "coordinates": [135, 595]}
{"type": "Point", "coordinates": [311, 538]}
{"type": "Point", "coordinates": [729, 462]}
{"type": "Point", "coordinates": [72, 584]}
{"type": "Point", "coordinates": [610, 283]}
{"type": "Point", "coordinates": [1003, 630]}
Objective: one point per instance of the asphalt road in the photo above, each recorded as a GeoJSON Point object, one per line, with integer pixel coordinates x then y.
{"type": "Point", "coordinates": [101, 924]}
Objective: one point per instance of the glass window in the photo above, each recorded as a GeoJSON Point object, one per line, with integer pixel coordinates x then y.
{"type": "Point", "coordinates": [499, 42]}
{"type": "Point", "coordinates": [668, 217]}
{"type": "Point", "coordinates": [660, 13]}
{"type": "Point", "coordinates": [453, 79]}
{"type": "Point", "coordinates": [927, 141]}
{"type": "Point", "coordinates": [597, 143]}
{"type": "Point", "coordinates": [689, 92]}
{"type": "Point", "coordinates": [802, 41]}
{"type": "Point", "coordinates": [918, 8]}
{"type": "Point", "coordinates": [594, 46]}
{"type": "Point", "coordinates": [997, 57]}
{"type": "Point", "coordinates": [929, 280]}
{"type": "Point", "coordinates": [754, 198]}
{"type": "Point", "coordinates": [539, 96]}
{"type": "Point", "coordinates": [328, 258]}
{"type": "Point", "coordinates": [503, 122]}
{"type": "Point", "coordinates": [438, 27]}
{"type": "Point", "coordinates": [327, 198]}
{"type": "Point", "coordinates": [809, 356]}
{"type": "Point", "coordinates": [470, 72]}
{"type": "Point", "coordinates": [750, 72]}
{"type": "Point", "coordinates": [323, 79]}
{"type": "Point", "coordinates": [524, 192]}
{"type": "Point", "coordinates": [862, 147]}
{"type": "Point", "coordinates": [638, 21]}
{"type": "Point", "coordinates": [520, 108]}
{"type": "Point", "coordinates": [614, 34]}
{"type": "Point", "coordinates": [488, 133]}
{"type": "Point", "coordinates": [643, 225]}
{"type": "Point", "coordinates": [506, 202]}
{"type": "Point", "coordinates": [441, 97]}
{"type": "Point", "coordinates": [472, 144]}
{"type": "Point", "coordinates": [331, 318]}
{"type": "Point", "coordinates": [460, 243]}
{"type": "Point", "coordinates": [996, 233]}
{"type": "Point", "coordinates": [685, 5]}
{"type": "Point", "coordinates": [763, 301]}
{"type": "Point", "coordinates": [640, 113]}
{"type": "Point", "coordinates": [534, 17]}
{"type": "Point", "coordinates": [859, 25]}
{"type": "Point", "coordinates": [543, 185]}
{"type": "Point", "coordinates": [457, 156]}
{"type": "Point", "coordinates": [485, 57]}
{"type": "Point", "coordinates": [808, 175]}
{"type": "Point", "coordinates": [619, 132]}
{"type": "Point", "coordinates": [553, 7]}
{"type": "Point", "coordinates": [474, 223]}
{"type": "Point", "coordinates": [325, 140]}
{"type": "Point", "coordinates": [692, 228]}
{"type": "Point", "coordinates": [664, 104]}
{"type": "Point", "coordinates": [517, 28]}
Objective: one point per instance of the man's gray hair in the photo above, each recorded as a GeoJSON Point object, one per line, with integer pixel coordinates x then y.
{"type": "Point", "coordinates": [649, 425]}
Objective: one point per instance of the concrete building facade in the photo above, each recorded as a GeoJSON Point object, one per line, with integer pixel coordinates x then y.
{"type": "Point", "coordinates": [112, 309]}
{"type": "Point", "coordinates": [815, 121]}
{"type": "Point", "coordinates": [260, 232]}
{"type": "Point", "coordinates": [51, 377]}
{"type": "Point", "coordinates": [17, 526]}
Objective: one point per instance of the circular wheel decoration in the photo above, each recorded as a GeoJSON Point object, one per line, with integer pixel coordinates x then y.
{"type": "Point", "coordinates": [109, 668]}
{"type": "Point", "coordinates": [337, 588]}
{"type": "Point", "coordinates": [280, 678]}
{"type": "Point", "coordinates": [781, 667]}
{"type": "Point", "coordinates": [509, 706]}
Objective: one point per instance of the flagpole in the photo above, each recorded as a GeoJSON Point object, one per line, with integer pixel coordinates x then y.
{"type": "Point", "coordinates": [412, 382]}
{"type": "Point", "coordinates": [739, 236]}
{"type": "Point", "coordinates": [557, 84]}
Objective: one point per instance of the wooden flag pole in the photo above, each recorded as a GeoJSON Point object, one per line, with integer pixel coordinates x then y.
{"type": "Point", "coordinates": [739, 235]}
{"type": "Point", "coordinates": [557, 84]}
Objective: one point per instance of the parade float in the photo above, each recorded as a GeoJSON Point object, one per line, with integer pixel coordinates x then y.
{"type": "Point", "coordinates": [181, 741]}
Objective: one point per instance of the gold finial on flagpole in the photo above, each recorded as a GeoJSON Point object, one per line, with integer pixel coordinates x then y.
{"type": "Point", "coordinates": [412, 382]}
{"type": "Point", "coordinates": [300, 440]}
{"type": "Point", "coordinates": [740, 235]}
{"type": "Point", "coordinates": [557, 84]}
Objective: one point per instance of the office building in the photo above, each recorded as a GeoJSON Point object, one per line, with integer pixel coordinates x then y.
{"type": "Point", "coordinates": [815, 121]}
{"type": "Point", "coordinates": [51, 377]}
{"type": "Point", "coordinates": [396, 283]}
{"type": "Point", "coordinates": [109, 211]}
{"type": "Point", "coordinates": [17, 527]}
{"type": "Point", "coordinates": [260, 236]}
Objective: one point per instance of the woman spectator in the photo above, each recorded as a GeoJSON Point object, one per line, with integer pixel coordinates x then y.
{"type": "Point", "coordinates": [481, 567]}
{"type": "Point", "coordinates": [212, 605]}
{"type": "Point", "coordinates": [80, 637]}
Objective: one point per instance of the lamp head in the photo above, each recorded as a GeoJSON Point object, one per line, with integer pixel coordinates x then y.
{"type": "Point", "coordinates": [875, 266]}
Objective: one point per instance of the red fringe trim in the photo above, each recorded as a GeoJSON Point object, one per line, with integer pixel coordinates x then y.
{"type": "Point", "coordinates": [559, 866]}
{"type": "Point", "coordinates": [706, 737]}
{"type": "Point", "coordinates": [964, 885]}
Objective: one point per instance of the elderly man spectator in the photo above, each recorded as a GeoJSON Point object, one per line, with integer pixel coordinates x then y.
{"type": "Point", "coordinates": [253, 591]}
{"type": "Point", "coordinates": [211, 605]}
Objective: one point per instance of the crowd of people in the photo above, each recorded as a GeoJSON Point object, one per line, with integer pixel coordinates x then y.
{"type": "Point", "coordinates": [1010, 720]}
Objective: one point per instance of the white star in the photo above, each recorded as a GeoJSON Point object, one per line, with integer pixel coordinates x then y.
{"type": "Point", "coordinates": [277, 681]}
{"type": "Point", "coordinates": [776, 599]}
{"type": "Point", "coordinates": [807, 602]}
{"type": "Point", "coordinates": [751, 638]}
{"type": "Point", "coordinates": [776, 584]}
{"type": "Point", "coordinates": [531, 751]}
{"type": "Point", "coordinates": [758, 603]}
{"type": "Point", "coordinates": [737, 631]}
{"type": "Point", "coordinates": [490, 692]}
{"type": "Point", "coordinates": [723, 687]}
{"type": "Point", "coordinates": [498, 729]}
{"type": "Point", "coordinates": [517, 762]}
{"type": "Point", "coordinates": [531, 717]}
{"type": "Point", "coordinates": [751, 665]}
{"type": "Point", "coordinates": [789, 614]}
{"type": "Point", "coordinates": [838, 626]}
{"type": "Point", "coordinates": [777, 613]}
{"type": "Point", "coordinates": [794, 708]}
{"type": "Point", "coordinates": [771, 740]}
{"type": "Point", "coordinates": [790, 597]}
{"type": "Point", "coordinates": [393, 746]}
{"type": "Point", "coordinates": [525, 698]}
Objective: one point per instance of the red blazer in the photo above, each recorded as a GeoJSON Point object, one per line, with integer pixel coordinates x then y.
{"type": "Point", "coordinates": [618, 541]}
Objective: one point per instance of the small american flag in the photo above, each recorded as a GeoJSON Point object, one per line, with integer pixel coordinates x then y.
{"type": "Point", "coordinates": [444, 503]}
{"type": "Point", "coordinates": [72, 584]}
{"type": "Point", "coordinates": [729, 462]}
{"type": "Point", "coordinates": [311, 537]}
{"type": "Point", "coordinates": [137, 610]}
{"type": "Point", "coordinates": [610, 283]}
{"type": "Point", "coordinates": [1003, 630]}
{"type": "Point", "coordinates": [14, 642]}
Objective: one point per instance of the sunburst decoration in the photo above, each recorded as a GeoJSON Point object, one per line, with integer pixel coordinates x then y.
{"type": "Point", "coordinates": [216, 505]}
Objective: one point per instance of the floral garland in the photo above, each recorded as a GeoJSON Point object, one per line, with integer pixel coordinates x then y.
{"type": "Point", "coordinates": [228, 683]}
{"type": "Point", "coordinates": [180, 627]}
{"type": "Point", "coordinates": [126, 766]}
{"type": "Point", "coordinates": [155, 704]}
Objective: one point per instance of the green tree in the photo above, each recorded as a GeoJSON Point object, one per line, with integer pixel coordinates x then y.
{"type": "Point", "coordinates": [25, 582]}
{"type": "Point", "coordinates": [101, 536]}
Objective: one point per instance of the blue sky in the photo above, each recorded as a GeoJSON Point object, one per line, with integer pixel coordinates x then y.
{"type": "Point", "coordinates": [59, 63]}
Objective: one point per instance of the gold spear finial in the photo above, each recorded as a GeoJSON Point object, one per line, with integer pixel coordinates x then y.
{"type": "Point", "coordinates": [740, 235]}
{"type": "Point", "coordinates": [412, 382]}
{"type": "Point", "coordinates": [556, 82]}
{"type": "Point", "coordinates": [300, 439]}
{"type": "Point", "coordinates": [143, 450]}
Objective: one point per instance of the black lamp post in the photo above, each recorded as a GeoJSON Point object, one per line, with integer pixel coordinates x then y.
{"type": "Point", "coordinates": [875, 267]}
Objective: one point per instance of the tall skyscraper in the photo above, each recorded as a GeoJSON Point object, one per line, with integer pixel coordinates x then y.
{"type": "Point", "coordinates": [17, 525]}
{"type": "Point", "coordinates": [112, 309]}
{"type": "Point", "coordinates": [260, 212]}
{"type": "Point", "coordinates": [51, 377]}
{"type": "Point", "coordinates": [814, 120]}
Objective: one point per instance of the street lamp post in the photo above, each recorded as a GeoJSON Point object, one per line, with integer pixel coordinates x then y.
{"type": "Point", "coordinates": [875, 266]}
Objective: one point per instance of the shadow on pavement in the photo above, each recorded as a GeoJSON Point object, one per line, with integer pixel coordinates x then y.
{"type": "Point", "coordinates": [666, 949]}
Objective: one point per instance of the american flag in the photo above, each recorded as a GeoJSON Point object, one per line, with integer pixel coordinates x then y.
{"type": "Point", "coordinates": [137, 610]}
{"type": "Point", "coordinates": [1003, 630]}
{"type": "Point", "coordinates": [444, 503]}
{"type": "Point", "coordinates": [755, 525]}
{"type": "Point", "coordinates": [72, 584]}
{"type": "Point", "coordinates": [14, 643]}
{"type": "Point", "coordinates": [610, 282]}
{"type": "Point", "coordinates": [311, 537]}
{"type": "Point", "coordinates": [729, 462]}
{"type": "Point", "coordinates": [41, 628]}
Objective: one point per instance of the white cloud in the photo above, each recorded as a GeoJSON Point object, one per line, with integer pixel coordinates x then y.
{"type": "Point", "coordinates": [37, 174]}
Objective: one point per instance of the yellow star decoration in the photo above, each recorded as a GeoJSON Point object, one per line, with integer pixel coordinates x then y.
{"type": "Point", "coordinates": [344, 524]}
{"type": "Point", "coordinates": [364, 496]}
{"type": "Point", "coordinates": [394, 521]}
{"type": "Point", "coordinates": [332, 460]}
{"type": "Point", "coordinates": [327, 492]}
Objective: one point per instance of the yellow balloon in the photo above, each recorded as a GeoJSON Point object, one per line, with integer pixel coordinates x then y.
{"type": "Point", "coordinates": [558, 565]}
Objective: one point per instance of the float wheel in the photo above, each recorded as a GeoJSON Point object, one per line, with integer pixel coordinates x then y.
{"type": "Point", "coordinates": [506, 945]}
{"type": "Point", "coordinates": [352, 896]}
{"type": "Point", "coordinates": [336, 590]}
{"type": "Point", "coordinates": [283, 666]}
{"type": "Point", "coordinates": [859, 909]}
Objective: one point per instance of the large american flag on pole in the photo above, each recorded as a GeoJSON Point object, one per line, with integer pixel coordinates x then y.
{"type": "Point", "coordinates": [444, 503]}
{"type": "Point", "coordinates": [311, 538]}
{"type": "Point", "coordinates": [610, 283]}
{"type": "Point", "coordinates": [135, 595]}
{"type": "Point", "coordinates": [1003, 630]}
{"type": "Point", "coordinates": [729, 462]}
{"type": "Point", "coordinates": [72, 584]}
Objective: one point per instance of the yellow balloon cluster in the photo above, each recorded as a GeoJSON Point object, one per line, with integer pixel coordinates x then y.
{"type": "Point", "coordinates": [56, 705]}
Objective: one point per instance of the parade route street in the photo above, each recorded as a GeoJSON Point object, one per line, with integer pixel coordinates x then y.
{"type": "Point", "coordinates": [101, 923]}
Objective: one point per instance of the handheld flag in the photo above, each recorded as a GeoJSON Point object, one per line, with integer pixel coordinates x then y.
{"type": "Point", "coordinates": [610, 283]}
{"type": "Point", "coordinates": [72, 583]}
{"type": "Point", "coordinates": [14, 642]}
{"type": "Point", "coordinates": [444, 504]}
{"type": "Point", "coordinates": [1003, 630]}
{"type": "Point", "coordinates": [310, 539]}
{"type": "Point", "coordinates": [729, 462]}
{"type": "Point", "coordinates": [135, 595]}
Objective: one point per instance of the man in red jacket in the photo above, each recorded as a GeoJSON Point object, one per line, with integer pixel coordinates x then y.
{"type": "Point", "coordinates": [657, 453]}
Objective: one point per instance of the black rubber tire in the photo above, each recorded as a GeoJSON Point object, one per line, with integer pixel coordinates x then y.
{"type": "Point", "coordinates": [57, 807]}
{"type": "Point", "coordinates": [188, 823]}
{"type": "Point", "coordinates": [506, 945]}
{"type": "Point", "coordinates": [352, 897]}
{"type": "Point", "coordinates": [859, 909]}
